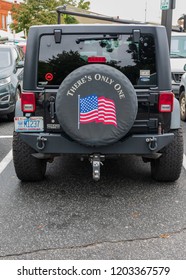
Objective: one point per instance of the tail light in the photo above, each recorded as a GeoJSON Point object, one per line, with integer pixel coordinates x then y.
{"type": "Point", "coordinates": [166, 102]}
{"type": "Point", "coordinates": [28, 102]}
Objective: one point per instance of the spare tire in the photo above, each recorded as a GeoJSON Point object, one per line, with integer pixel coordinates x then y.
{"type": "Point", "coordinates": [96, 105]}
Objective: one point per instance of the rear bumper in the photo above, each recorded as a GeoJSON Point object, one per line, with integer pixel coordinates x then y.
{"type": "Point", "coordinates": [141, 144]}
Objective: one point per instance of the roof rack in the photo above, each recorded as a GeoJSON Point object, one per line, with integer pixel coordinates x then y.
{"type": "Point", "coordinates": [62, 10]}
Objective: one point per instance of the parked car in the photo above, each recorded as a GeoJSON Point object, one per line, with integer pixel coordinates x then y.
{"type": "Point", "coordinates": [22, 45]}
{"type": "Point", "coordinates": [177, 59]}
{"type": "Point", "coordinates": [11, 78]}
{"type": "Point", "coordinates": [97, 91]}
{"type": "Point", "coordinates": [182, 96]}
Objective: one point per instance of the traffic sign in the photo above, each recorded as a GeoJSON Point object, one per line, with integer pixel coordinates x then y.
{"type": "Point", "coordinates": [165, 5]}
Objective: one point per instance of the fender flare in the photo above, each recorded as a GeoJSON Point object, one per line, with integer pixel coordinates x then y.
{"type": "Point", "coordinates": [175, 115]}
{"type": "Point", "coordinates": [18, 111]}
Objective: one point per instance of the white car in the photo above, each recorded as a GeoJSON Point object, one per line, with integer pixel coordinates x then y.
{"type": "Point", "coordinates": [177, 59]}
{"type": "Point", "coordinates": [182, 96]}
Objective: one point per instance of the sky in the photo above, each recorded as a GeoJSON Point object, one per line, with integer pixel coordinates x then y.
{"type": "Point", "coordinates": [140, 10]}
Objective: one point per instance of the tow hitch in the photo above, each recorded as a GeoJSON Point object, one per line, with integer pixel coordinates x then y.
{"type": "Point", "coordinates": [96, 161]}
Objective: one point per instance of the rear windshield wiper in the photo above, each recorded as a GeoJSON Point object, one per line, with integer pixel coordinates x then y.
{"type": "Point", "coordinates": [96, 38]}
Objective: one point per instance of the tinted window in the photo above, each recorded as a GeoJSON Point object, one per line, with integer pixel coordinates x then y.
{"type": "Point", "coordinates": [135, 60]}
{"type": "Point", "coordinates": [5, 58]}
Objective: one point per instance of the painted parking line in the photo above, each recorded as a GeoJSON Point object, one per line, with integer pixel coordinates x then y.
{"type": "Point", "coordinates": [184, 161]}
{"type": "Point", "coordinates": [7, 159]}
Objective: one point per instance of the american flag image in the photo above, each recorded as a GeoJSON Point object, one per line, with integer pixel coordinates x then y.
{"type": "Point", "coordinates": [98, 110]}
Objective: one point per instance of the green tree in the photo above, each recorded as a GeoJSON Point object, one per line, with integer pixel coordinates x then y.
{"type": "Point", "coordinates": [37, 12]}
{"type": "Point", "coordinates": [84, 5]}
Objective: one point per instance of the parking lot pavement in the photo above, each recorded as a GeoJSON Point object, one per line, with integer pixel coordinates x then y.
{"type": "Point", "coordinates": [145, 249]}
{"type": "Point", "coordinates": [126, 215]}
{"type": "Point", "coordinates": [6, 127]}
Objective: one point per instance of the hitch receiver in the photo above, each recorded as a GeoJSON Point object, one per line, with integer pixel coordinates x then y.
{"type": "Point", "coordinates": [96, 161]}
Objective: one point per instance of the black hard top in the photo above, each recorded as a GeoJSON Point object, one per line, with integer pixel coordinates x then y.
{"type": "Point", "coordinates": [95, 28]}
{"type": "Point", "coordinates": [36, 32]}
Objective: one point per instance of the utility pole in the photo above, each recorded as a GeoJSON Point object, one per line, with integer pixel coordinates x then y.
{"type": "Point", "coordinates": [167, 7]}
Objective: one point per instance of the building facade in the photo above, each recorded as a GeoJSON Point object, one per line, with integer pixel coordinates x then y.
{"type": "Point", "coordinates": [5, 13]}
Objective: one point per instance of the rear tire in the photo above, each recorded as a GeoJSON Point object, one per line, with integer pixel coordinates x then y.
{"type": "Point", "coordinates": [168, 167]}
{"type": "Point", "coordinates": [27, 167]}
{"type": "Point", "coordinates": [182, 101]}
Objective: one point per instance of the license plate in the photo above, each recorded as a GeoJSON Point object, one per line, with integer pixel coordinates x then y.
{"type": "Point", "coordinates": [32, 124]}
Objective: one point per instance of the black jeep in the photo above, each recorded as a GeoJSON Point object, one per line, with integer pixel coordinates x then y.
{"type": "Point", "coordinates": [97, 91]}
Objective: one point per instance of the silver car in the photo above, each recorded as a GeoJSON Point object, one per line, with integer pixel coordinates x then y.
{"type": "Point", "coordinates": [11, 78]}
{"type": "Point", "coordinates": [182, 96]}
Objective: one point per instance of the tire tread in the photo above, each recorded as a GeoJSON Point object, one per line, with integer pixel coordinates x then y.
{"type": "Point", "coordinates": [27, 167]}
{"type": "Point", "coordinates": [168, 167]}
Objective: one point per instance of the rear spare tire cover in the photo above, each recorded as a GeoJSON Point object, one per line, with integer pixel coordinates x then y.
{"type": "Point", "coordinates": [96, 105]}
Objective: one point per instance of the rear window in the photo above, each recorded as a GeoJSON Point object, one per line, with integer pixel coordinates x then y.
{"type": "Point", "coordinates": [135, 60]}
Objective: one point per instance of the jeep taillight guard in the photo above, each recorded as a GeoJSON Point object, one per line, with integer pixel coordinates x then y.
{"type": "Point", "coordinates": [166, 102]}
{"type": "Point", "coordinates": [28, 102]}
